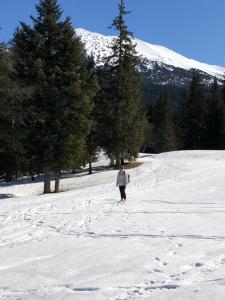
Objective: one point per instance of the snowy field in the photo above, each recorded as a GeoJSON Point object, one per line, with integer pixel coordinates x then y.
{"type": "Point", "coordinates": [166, 242]}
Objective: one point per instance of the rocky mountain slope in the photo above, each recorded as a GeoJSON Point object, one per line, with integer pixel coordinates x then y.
{"type": "Point", "coordinates": [159, 65]}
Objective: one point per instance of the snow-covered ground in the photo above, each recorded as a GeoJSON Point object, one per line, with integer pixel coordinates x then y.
{"type": "Point", "coordinates": [166, 242]}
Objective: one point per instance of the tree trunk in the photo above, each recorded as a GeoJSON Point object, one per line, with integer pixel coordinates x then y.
{"type": "Point", "coordinates": [144, 149]}
{"type": "Point", "coordinates": [111, 161]}
{"type": "Point", "coordinates": [57, 178]}
{"type": "Point", "coordinates": [32, 177]}
{"type": "Point", "coordinates": [118, 162]}
{"type": "Point", "coordinates": [10, 176]}
{"type": "Point", "coordinates": [90, 171]}
{"type": "Point", "coordinates": [47, 183]}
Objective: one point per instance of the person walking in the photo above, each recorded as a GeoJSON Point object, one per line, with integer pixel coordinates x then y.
{"type": "Point", "coordinates": [122, 181]}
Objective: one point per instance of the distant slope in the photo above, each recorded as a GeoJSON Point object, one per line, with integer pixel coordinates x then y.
{"type": "Point", "coordinates": [98, 45]}
{"type": "Point", "coordinates": [159, 66]}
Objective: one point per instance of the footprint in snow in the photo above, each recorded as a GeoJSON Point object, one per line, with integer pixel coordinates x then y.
{"type": "Point", "coordinates": [158, 271]}
{"type": "Point", "coordinates": [172, 252]}
{"type": "Point", "coordinates": [4, 288]}
{"type": "Point", "coordinates": [197, 265]}
{"type": "Point", "coordinates": [185, 268]}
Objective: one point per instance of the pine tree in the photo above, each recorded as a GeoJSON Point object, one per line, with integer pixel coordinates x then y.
{"type": "Point", "coordinates": [50, 60]}
{"type": "Point", "coordinates": [164, 125]}
{"type": "Point", "coordinates": [215, 119]}
{"type": "Point", "coordinates": [149, 131]}
{"type": "Point", "coordinates": [223, 90]}
{"type": "Point", "coordinates": [11, 151]}
{"type": "Point", "coordinates": [104, 113]}
{"type": "Point", "coordinates": [192, 116]}
{"type": "Point", "coordinates": [123, 113]}
{"type": "Point", "coordinates": [92, 144]}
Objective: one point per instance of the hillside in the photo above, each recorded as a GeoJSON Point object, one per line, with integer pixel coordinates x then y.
{"type": "Point", "coordinates": [160, 64]}
{"type": "Point", "coordinates": [166, 242]}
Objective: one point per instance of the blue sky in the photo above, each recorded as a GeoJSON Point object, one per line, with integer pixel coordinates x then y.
{"type": "Point", "coordinates": [194, 28]}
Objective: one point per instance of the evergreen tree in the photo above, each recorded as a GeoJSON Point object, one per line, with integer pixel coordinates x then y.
{"type": "Point", "coordinates": [11, 151]}
{"type": "Point", "coordinates": [50, 60]}
{"type": "Point", "coordinates": [92, 144]}
{"type": "Point", "coordinates": [123, 113]}
{"type": "Point", "coordinates": [192, 116]}
{"type": "Point", "coordinates": [223, 90]}
{"type": "Point", "coordinates": [149, 142]}
{"type": "Point", "coordinates": [215, 119]}
{"type": "Point", "coordinates": [164, 125]}
{"type": "Point", "coordinates": [104, 113]}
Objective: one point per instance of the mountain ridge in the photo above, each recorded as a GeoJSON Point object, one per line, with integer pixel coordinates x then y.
{"type": "Point", "coordinates": [98, 45]}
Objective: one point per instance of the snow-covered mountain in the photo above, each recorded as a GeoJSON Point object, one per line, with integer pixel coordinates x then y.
{"type": "Point", "coordinates": [154, 57]}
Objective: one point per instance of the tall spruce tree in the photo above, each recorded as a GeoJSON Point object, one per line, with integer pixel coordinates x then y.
{"type": "Point", "coordinates": [192, 116]}
{"type": "Point", "coordinates": [92, 143]}
{"type": "Point", "coordinates": [50, 60]}
{"type": "Point", "coordinates": [123, 113]}
{"type": "Point", "coordinates": [164, 131]}
{"type": "Point", "coordinates": [104, 113]}
{"type": "Point", "coordinates": [11, 151]}
{"type": "Point", "coordinates": [149, 142]}
{"type": "Point", "coordinates": [223, 90]}
{"type": "Point", "coordinates": [215, 138]}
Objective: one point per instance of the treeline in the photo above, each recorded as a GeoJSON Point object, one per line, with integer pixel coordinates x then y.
{"type": "Point", "coordinates": [56, 109]}
{"type": "Point", "coordinates": [197, 122]}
